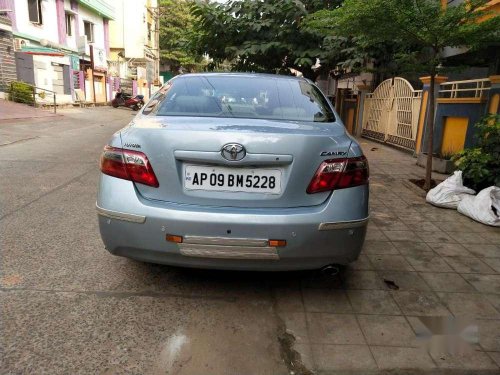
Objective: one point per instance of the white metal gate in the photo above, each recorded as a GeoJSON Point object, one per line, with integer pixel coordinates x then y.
{"type": "Point", "coordinates": [390, 113]}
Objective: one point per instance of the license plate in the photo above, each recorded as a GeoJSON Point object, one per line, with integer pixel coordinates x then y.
{"type": "Point", "coordinates": [250, 180]}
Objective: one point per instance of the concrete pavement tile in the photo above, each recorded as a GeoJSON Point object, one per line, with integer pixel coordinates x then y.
{"type": "Point", "coordinates": [484, 283]}
{"type": "Point", "coordinates": [306, 356]}
{"type": "Point", "coordinates": [390, 225]}
{"type": "Point", "coordinates": [489, 334]}
{"type": "Point", "coordinates": [493, 263]}
{"type": "Point", "coordinates": [420, 303]}
{"type": "Point", "coordinates": [363, 280]}
{"type": "Point", "coordinates": [362, 263]}
{"type": "Point", "coordinates": [402, 235]}
{"type": "Point", "coordinates": [379, 247]}
{"type": "Point", "coordinates": [405, 280]}
{"type": "Point", "coordinates": [334, 329]}
{"type": "Point", "coordinates": [296, 325]}
{"type": "Point", "coordinates": [452, 226]}
{"type": "Point", "coordinates": [449, 249]}
{"type": "Point", "coordinates": [326, 300]}
{"type": "Point", "coordinates": [469, 237]}
{"type": "Point", "coordinates": [387, 330]}
{"type": "Point", "coordinates": [392, 358]}
{"type": "Point", "coordinates": [495, 356]}
{"type": "Point", "coordinates": [428, 261]}
{"type": "Point", "coordinates": [492, 237]}
{"type": "Point", "coordinates": [390, 262]}
{"type": "Point", "coordinates": [373, 302]}
{"type": "Point", "coordinates": [494, 300]}
{"type": "Point", "coordinates": [375, 234]}
{"type": "Point", "coordinates": [468, 265]}
{"type": "Point", "coordinates": [343, 357]}
{"type": "Point", "coordinates": [469, 304]}
{"type": "Point", "coordinates": [288, 299]}
{"type": "Point", "coordinates": [424, 226]}
{"type": "Point", "coordinates": [483, 250]}
{"type": "Point", "coordinates": [410, 247]}
{"type": "Point", "coordinates": [446, 282]}
{"type": "Point", "coordinates": [435, 237]}
{"type": "Point", "coordinates": [472, 360]}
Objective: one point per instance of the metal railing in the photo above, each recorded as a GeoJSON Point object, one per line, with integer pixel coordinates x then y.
{"type": "Point", "coordinates": [473, 88]}
{"type": "Point", "coordinates": [35, 96]}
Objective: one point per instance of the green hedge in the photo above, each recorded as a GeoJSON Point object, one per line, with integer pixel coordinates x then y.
{"type": "Point", "coordinates": [21, 92]}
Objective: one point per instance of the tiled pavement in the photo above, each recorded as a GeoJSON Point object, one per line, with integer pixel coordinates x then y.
{"type": "Point", "coordinates": [443, 263]}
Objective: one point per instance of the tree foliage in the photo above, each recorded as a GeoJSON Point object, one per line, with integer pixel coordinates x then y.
{"type": "Point", "coordinates": [421, 29]}
{"type": "Point", "coordinates": [177, 33]}
{"type": "Point", "coordinates": [262, 36]}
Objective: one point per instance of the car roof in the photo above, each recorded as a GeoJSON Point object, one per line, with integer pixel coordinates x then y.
{"type": "Point", "coordinates": [242, 74]}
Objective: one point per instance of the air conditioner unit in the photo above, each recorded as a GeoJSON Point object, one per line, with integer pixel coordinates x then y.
{"type": "Point", "coordinates": [83, 45]}
{"type": "Point", "coordinates": [20, 43]}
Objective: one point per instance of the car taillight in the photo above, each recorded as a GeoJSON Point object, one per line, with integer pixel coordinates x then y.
{"type": "Point", "coordinates": [129, 165]}
{"type": "Point", "coordinates": [339, 174]}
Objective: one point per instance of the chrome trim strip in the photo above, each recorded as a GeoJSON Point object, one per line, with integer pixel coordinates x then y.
{"type": "Point", "coordinates": [215, 157]}
{"type": "Point", "coordinates": [228, 252]}
{"type": "Point", "coordinates": [226, 241]}
{"type": "Point", "coordinates": [120, 215]}
{"type": "Point", "coordinates": [343, 224]}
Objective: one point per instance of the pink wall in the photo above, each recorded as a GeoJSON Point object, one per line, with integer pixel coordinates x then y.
{"type": "Point", "coordinates": [105, 23]}
{"type": "Point", "coordinates": [9, 4]}
{"type": "Point", "coordinates": [61, 21]}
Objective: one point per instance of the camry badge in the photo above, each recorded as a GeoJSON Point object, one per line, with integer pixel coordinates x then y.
{"type": "Point", "coordinates": [233, 151]}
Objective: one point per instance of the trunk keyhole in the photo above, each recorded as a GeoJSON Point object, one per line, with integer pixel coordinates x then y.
{"type": "Point", "coordinates": [229, 231]}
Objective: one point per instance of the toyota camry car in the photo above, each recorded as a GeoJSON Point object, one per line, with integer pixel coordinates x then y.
{"type": "Point", "coordinates": [235, 171]}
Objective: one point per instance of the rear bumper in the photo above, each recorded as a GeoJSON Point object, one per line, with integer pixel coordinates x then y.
{"type": "Point", "coordinates": [232, 238]}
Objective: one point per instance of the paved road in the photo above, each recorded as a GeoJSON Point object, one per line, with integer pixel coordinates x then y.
{"type": "Point", "coordinates": [67, 306]}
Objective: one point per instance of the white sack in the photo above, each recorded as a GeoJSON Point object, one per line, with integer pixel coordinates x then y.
{"type": "Point", "coordinates": [484, 207]}
{"type": "Point", "coordinates": [449, 192]}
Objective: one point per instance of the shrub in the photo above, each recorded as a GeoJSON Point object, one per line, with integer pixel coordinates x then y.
{"type": "Point", "coordinates": [21, 92]}
{"type": "Point", "coordinates": [480, 165]}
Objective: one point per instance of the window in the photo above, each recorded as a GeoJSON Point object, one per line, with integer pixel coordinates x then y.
{"type": "Point", "coordinates": [35, 11]}
{"type": "Point", "coordinates": [69, 24]}
{"type": "Point", "coordinates": [88, 28]}
{"type": "Point", "coordinates": [256, 97]}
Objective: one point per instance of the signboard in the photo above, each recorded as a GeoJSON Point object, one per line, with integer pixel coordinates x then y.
{"type": "Point", "coordinates": [75, 62]}
{"type": "Point", "coordinates": [100, 62]}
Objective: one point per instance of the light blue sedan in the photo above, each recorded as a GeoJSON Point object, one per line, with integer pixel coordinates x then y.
{"type": "Point", "coordinates": [235, 171]}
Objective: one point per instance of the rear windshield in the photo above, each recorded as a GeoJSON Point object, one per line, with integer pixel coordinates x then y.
{"type": "Point", "coordinates": [244, 97]}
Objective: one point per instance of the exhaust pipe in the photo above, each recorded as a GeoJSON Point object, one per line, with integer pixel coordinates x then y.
{"type": "Point", "coordinates": [330, 270]}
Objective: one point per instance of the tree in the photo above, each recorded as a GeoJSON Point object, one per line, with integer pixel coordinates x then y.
{"type": "Point", "coordinates": [422, 29]}
{"type": "Point", "coordinates": [177, 33]}
{"type": "Point", "coordinates": [262, 36]}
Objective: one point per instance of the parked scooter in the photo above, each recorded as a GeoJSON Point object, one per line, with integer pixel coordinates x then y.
{"type": "Point", "coordinates": [126, 100]}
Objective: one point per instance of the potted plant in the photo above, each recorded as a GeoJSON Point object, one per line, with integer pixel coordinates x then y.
{"type": "Point", "coordinates": [441, 162]}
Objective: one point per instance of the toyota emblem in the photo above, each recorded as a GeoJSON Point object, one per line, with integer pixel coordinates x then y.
{"type": "Point", "coordinates": [233, 152]}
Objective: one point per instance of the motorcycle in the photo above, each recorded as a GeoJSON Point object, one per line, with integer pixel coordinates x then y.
{"type": "Point", "coordinates": [126, 100]}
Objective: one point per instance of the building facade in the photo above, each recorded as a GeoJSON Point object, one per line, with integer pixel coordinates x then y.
{"type": "Point", "coordinates": [62, 46]}
{"type": "Point", "coordinates": [7, 57]}
{"type": "Point", "coordinates": [134, 40]}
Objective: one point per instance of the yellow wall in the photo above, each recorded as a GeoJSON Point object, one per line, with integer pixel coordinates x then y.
{"type": "Point", "coordinates": [494, 101]}
{"type": "Point", "coordinates": [421, 121]}
{"type": "Point", "coordinates": [454, 131]}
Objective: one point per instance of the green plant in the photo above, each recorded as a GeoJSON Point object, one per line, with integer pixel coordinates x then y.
{"type": "Point", "coordinates": [446, 154]}
{"type": "Point", "coordinates": [21, 92]}
{"type": "Point", "coordinates": [480, 165]}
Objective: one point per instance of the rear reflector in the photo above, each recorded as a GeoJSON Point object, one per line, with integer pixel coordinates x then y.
{"type": "Point", "coordinates": [339, 174]}
{"type": "Point", "coordinates": [128, 165]}
{"type": "Point", "coordinates": [174, 238]}
{"type": "Point", "coordinates": [277, 243]}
